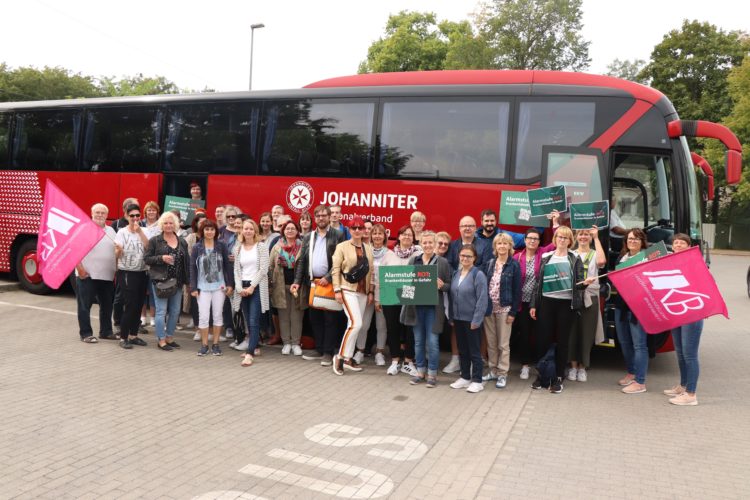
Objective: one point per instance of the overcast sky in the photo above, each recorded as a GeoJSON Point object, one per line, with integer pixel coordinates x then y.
{"type": "Point", "coordinates": [199, 44]}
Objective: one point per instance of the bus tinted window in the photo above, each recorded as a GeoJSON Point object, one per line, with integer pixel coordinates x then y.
{"type": "Point", "coordinates": [463, 140]}
{"type": "Point", "coordinates": [4, 131]}
{"type": "Point", "coordinates": [122, 139]}
{"type": "Point", "coordinates": [219, 138]}
{"type": "Point", "coordinates": [549, 124]}
{"type": "Point", "coordinates": [322, 139]}
{"type": "Point", "coordinates": [46, 140]}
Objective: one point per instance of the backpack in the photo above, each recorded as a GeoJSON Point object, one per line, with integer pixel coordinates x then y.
{"type": "Point", "coordinates": [547, 368]}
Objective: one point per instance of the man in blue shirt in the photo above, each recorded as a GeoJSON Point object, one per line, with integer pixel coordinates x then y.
{"type": "Point", "coordinates": [489, 230]}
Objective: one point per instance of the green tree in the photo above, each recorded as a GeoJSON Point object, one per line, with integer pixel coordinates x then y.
{"type": "Point", "coordinates": [690, 66]}
{"type": "Point", "coordinates": [412, 42]}
{"type": "Point", "coordinates": [137, 85]}
{"type": "Point", "coordinates": [534, 34]}
{"type": "Point", "coordinates": [627, 69]}
{"type": "Point", "coordinates": [466, 49]}
{"type": "Point", "coordinates": [32, 84]}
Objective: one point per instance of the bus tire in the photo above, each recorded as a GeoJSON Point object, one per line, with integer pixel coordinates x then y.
{"type": "Point", "coordinates": [27, 269]}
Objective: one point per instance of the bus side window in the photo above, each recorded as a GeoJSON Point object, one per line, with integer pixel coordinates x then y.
{"type": "Point", "coordinates": [4, 139]}
{"type": "Point", "coordinates": [46, 140]}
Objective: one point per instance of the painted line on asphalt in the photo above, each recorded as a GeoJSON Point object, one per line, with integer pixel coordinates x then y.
{"type": "Point", "coordinates": [37, 308]}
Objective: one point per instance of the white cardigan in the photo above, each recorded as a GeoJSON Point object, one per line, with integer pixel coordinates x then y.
{"type": "Point", "coordinates": [260, 277]}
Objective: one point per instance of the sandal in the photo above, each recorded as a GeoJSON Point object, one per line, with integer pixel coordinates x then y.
{"type": "Point", "coordinates": [247, 361]}
{"type": "Point", "coordinates": [89, 340]}
{"type": "Point", "coordinates": [109, 337]}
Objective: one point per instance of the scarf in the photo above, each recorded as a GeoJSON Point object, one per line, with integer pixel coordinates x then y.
{"type": "Point", "coordinates": [404, 254]}
{"type": "Point", "coordinates": [377, 253]}
{"type": "Point", "coordinates": [288, 253]}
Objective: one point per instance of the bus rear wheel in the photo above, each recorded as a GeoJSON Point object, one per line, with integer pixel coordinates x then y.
{"type": "Point", "coordinates": [27, 269]}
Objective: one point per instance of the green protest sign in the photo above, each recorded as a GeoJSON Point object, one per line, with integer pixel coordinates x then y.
{"type": "Point", "coordinates": [186, 206]}
{"type": "Point", "coordinates": [653, 252]}
{"type": "Point", "coordinates": [557, 277]}
{"type": "Point", "coordinates": [585, 215]}
{"type": "Point", "coordinates": [544, 200]}
{"type": "Point", "coordinates": [515, 210]}
{"type": "Point", "coordinates": [408, 285]}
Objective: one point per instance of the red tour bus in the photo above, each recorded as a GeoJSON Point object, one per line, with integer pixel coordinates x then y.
{"type": "Point", "coordinates": [446, 143]}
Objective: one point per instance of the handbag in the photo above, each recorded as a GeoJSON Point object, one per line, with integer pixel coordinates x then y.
{"type": "Point", "coordinates": [358, 272]}
{"type": "Point", "coordinates": [238, 325]}
{"type": "Point", "coordinates": [323, 297]}
{"type": "Point", "coordinates": [165, 288]}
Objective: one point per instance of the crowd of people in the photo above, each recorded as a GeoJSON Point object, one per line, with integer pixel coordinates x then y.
{"type": "Point", "coordinates": [251, 283]}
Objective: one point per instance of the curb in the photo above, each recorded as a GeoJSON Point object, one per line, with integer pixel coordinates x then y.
{"type": "Point", "coordinates": [9, 286]}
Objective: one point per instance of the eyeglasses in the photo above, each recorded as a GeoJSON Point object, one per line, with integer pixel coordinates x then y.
{"type": "Point", "coordinates": [562, 237]}
{"type": "Point", "coordinates": [418, 220]}
{"type": "Point", "coordinates": [134, 216]}
{"type": "Point", "coordinates": [357, 228]}
{"type": "Point", "coordinates": [231, 216]}
{"type": "Point", "coordinates": [468, 226]}
{"type": "Point", "coordinates": [320, 216]}
{"type": "Point", "coordinates": [442, 243]}
{"type": "Point", "coordinates": [469, 256]}
{"type": "Point", "coordinates": [532, 238]}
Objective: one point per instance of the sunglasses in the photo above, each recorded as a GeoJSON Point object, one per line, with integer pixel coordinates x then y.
{"type": "Point", "coordinates": [357, 228]}
{"type": "Point", "coordinates": [231, 216]}
{"type": "Point", "coordinates": [134, 216]}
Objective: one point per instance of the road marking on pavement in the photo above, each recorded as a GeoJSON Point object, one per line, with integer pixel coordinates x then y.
{"type": "Point", "coordinates": [411, 449]}
{"type": "Point", "coordinates": [47, 309]}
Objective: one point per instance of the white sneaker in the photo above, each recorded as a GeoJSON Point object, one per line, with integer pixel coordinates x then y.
{"type": "Point", "coordinates": [197, 337]}
{"type": "Point", "coordinates": [229, 333]}
{"type": "Point", "coordinates": [461, 383]}
{"type": "Point", "coordinates": [488, 377]}
{"type": "Point", "coordinates": [572, 374]}
{"type": "Point", "coordinates": [393, 369]}
{"type": "Point", "coordinates": [233, 345]}
{"type": "Point", "coordinates": [379, 359]}
{"type": "Point", "coordinates": [286, 349]}
{"type": "Point", "coordinates": [190, 324]}
{"type": "Point", "coordinates": [475, 387]}
{"type": "Point", "coordinates": [582, 376]}
{"type": "Point", "coordinates": [243, 346]}
{"type": "Point", "coordinates": [524, 373]}
{"type": "Point", "coordinates": [453, 366]}
{"type": "Point", "coordinates": [359, 356]}
{"type": "Point", "coordinates": [222, 338]}
{"type": "Point", "coordinates": [152, 322]}
{"type": "Point", "coordinates": [409, 368]}
{"type": "Point", "coordinates": [296, 350]}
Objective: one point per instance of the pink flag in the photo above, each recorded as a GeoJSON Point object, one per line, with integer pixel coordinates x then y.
{"type": "Point", "coordinates": [66, 234]}
{"type": "Point", "coordinates": [670, 291]}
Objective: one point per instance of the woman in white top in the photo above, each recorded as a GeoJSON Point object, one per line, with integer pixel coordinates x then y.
{"type": "Point", "coordinates": [251, 283]}
{"type": "Point", "coordinates": [589, 322]}
{"type": "Point", "coordinates": [379, 251]}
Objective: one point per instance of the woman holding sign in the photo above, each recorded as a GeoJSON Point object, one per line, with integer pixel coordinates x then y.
{"type": "Point", "coordinates": [557, 297]}
{"type": "Point", "coordinates": [630, 334]}
{"type": "Point", "coordinates": [586, 325]}
{"type": "Point", "coordinates": [686, 340]}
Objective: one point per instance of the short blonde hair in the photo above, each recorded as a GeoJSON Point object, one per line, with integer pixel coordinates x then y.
{"type": "Point", "coordinates": [501, 237]}
{"type": "Point", "coordinates": [257, 236]}
{"type": "Point", "coordinates": [443, 234]}
{"type": "Point", "coordinates": [168, 215]}
{"type": "Point", "coordinates": [428, 234]}
{"type": "Point", "coordinates": [419, 216]}
{"type": "Point", "coordinates": [566, 232]}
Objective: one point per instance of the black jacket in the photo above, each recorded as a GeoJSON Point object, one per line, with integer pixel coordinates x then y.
{"type": "Point", "coordinates": [157, 247]}
{"type": "Point", "coordinates": [577, 266]}
{"type": "Point", "coordinates": [302, 269]}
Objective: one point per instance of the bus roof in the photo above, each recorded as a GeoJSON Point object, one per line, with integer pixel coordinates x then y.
{"type": "Point", "coordinates": [492, 77]}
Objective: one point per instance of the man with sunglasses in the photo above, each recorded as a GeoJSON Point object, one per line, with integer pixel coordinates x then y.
{"type": "Point", "coordinates": [130, 246]}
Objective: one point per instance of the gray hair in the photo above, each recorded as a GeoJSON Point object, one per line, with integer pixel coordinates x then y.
{"type": "Point", "coordinates": [169, 215]}
{"type": "Point", "coordinates": [99, 206]}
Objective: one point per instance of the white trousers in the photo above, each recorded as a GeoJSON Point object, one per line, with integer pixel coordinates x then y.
{"type": "Point", "coordinates": [209, 302]}
{"type": "Point", "coordinates": [379, 327]}
{"type": "Point", "coordinates": [354, 307]}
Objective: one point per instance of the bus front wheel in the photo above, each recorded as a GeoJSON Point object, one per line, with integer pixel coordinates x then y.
{"type": "Point", "coordinates": [27, 269]}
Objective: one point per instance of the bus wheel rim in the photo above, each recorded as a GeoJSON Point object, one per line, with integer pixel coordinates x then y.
{"type": "Point", "coordinates": [30, 268]}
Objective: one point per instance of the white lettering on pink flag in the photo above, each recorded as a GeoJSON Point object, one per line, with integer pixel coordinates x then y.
{"type": "Point", "coordinates": [670, 291]}
{"type": "Point", "coordinates": [66, 235]}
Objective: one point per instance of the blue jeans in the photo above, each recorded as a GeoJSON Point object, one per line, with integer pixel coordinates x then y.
{"type": "Point", "coordinates": [250, 307]}
{"type": "Point", "coordinates": [470, 356]}
{"type": "Point", "coordinates": [168, 309]}
{"type": "Point", "coordinates": [86, 291]}
{"type": "Point", "coordinates": [686, 339]}
{"type": "Point", "coordinates": [632, 340]}
{"type": "Point", "coordinates": [423, 335]}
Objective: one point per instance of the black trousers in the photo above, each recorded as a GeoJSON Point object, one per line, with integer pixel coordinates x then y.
{"type": "Point", "coordinates": [554, 321]}
{"type": "Point", "coordinates": [89, 290]}
{"type": "Point", "coordinates": [326, 327]}
{"type": "Point", "coordinates": [524, 331]}
{"type": "Point", "coordinates": [133, 289]}
{"type": "Point", "coordinates": [398, 334]}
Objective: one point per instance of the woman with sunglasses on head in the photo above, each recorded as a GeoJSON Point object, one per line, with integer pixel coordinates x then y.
{"type": "Point", "coordinates": [589, 322]}
{"type": "Point", "coordinates": [168, 259]}
{"type": "Point", "coordinates": [380, 250]}
{"type": "Point", "coordinates": [428, 322]}
{"type": "Point", "coordinates": [468, 304]}
{"type": "Point", "coordinates": [400, 336]}
{"type": "Point", "coordinates": [557, 297]}
{"type": "Point", "coordinates": [130, 247]}
{"type": "Point", "coordinates": [352, 283]}
{"type": "Point", "coordinates": [529, 260]}
{"type": "Point", "coordinates": [631, 336]}
{"type": "Point", "coordinates": [686, 340]}
{"type": "Point", "coordinates": [150, 224]}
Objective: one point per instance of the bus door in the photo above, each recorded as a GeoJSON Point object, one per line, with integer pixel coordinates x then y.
{"type": "Point", "coordinates": [642, 197]}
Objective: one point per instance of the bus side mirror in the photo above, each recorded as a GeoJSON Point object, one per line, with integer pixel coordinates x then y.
{"type": "Point", "coordinates": [701, 162]}
{"type": "Point", "coordinates": [733, 162]}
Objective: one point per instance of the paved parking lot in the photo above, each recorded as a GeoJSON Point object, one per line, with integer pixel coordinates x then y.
{"type": "Point", "coordinates": [95, 421]}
